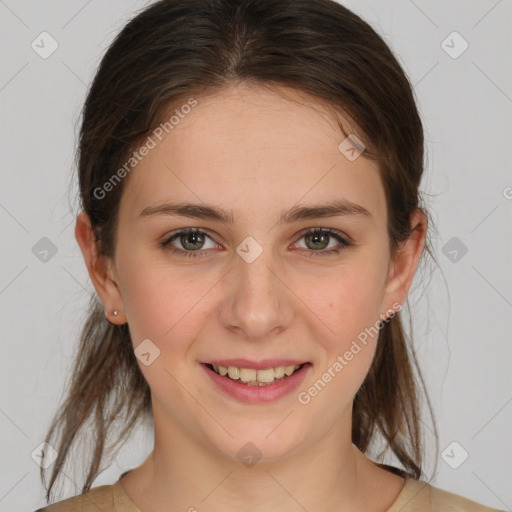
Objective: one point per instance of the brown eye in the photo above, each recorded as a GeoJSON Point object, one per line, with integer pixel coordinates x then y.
{"type": "Point", "coordinates": [318, 239]}
{"type": "Point", "coordinates": [191, 240]}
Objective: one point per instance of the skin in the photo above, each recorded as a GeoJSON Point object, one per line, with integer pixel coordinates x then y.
{"type": "Point", "coordinates": [255, 152]}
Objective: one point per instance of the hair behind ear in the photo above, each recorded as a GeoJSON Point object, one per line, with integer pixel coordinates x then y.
{"type": "Point", "coordinates": [105, 386]}
{"type": "Point", "coordinates": [387, 402]}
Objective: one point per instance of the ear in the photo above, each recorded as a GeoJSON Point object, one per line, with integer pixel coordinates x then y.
{"type": "Point", "coordinates": [101, 270]}
{"type": "Point", "coordinates": [403, 266]}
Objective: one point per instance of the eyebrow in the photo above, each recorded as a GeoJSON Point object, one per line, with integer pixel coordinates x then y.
{"type": "Point", "coordinates": [339, 207]}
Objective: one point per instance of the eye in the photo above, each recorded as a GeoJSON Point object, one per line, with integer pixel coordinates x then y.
{"type": "Point", "coordinates": [320, 237]}
{"type": "Point", "coordinates": [191, 239]}
{"type": "Point", "coordinates": [192, 242]}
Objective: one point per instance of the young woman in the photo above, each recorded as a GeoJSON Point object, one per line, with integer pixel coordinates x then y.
{"type": "Point", "coordinates": [249, 177]}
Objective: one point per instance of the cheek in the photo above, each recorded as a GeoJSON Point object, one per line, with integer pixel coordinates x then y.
{"type": "Point", "coordinates": [162, 303]}
{"type": "Point", "coordinates": [352, 312]}
{"type": "Point", "coordinates": [349, 302]}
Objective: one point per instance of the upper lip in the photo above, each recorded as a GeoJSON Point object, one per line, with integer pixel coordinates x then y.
{"type": "Point", "coordinates": [257, 365]}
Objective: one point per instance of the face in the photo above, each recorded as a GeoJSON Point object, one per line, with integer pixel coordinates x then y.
{"type": "Point", "coordinates": [257, 285]}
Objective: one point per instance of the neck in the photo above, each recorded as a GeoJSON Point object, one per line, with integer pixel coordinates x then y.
{"type": "Point", "coordinates": [330, 474]}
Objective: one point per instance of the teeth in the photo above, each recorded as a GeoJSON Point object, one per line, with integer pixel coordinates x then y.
{"type": "Point", "coordinates": [254, 377]}
{"type": "Point", "coordinates": [289, 370]}
{"type": "Point", "coordinates": [279, 372]}
{"type": "Point", "coordinates": [233, 372]}
{"type": "Point", "coordinates": [265, 376]}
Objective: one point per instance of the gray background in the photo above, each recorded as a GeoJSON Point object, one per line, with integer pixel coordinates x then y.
{"type": "Point", "coordinates": [461, 311]}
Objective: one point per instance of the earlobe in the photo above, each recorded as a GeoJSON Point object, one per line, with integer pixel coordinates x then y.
{"type": "Point", "coordinates": [100, 269]}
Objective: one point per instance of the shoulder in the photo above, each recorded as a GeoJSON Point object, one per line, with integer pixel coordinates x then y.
{"type": "Point", "coordinates": [418, 495]}
{"type": "Point", "coordinates": [97, 498]}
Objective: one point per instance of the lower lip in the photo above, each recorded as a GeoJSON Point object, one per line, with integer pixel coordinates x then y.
{"type": "Point", "coordinates": [257, 394]}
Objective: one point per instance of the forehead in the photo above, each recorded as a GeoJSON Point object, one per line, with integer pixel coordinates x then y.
{"type": "Point", "coordinates": [252, 148]}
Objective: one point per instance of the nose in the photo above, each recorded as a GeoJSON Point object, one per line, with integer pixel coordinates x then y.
{"type": "Point", "coordinates": [257, 303]}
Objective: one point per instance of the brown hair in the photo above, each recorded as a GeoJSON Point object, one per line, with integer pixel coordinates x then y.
{"type": "Point", "coordinates": [177, 49]}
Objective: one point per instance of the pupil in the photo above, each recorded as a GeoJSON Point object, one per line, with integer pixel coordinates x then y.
{"type": "Point", "coordinates": [315, 237]}
{"type": "Point", "coordinates": [196, 238]}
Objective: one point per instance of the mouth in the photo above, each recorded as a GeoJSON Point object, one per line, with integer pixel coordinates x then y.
{"type": "Point", "coordinates": [256, 377]}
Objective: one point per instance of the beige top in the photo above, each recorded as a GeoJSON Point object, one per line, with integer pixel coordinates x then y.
{"type": "Point", "coordinates": [416, 496]}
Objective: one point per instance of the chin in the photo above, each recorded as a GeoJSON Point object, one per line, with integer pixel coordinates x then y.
{"type": "Point", "coordinates": [257, 442]}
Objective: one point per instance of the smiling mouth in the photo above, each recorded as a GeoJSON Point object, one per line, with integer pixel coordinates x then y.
{"type": "Point", "coordinates": [252, 377]}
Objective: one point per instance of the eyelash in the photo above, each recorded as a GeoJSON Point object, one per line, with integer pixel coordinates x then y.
{"type": "Point", "coordinates": [166, 244]}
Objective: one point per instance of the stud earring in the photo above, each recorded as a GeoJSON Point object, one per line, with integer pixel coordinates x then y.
{"type": "Point", "coordinates": [115, 312]}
